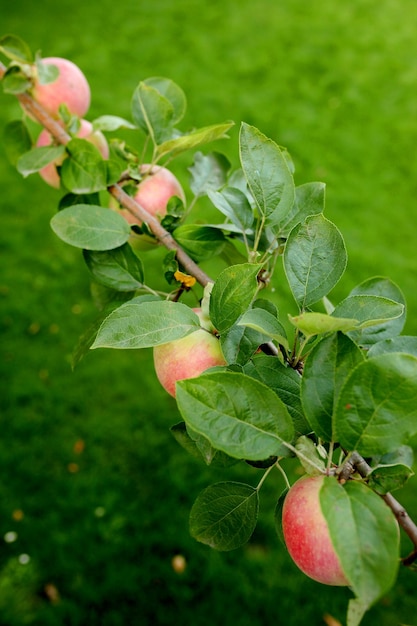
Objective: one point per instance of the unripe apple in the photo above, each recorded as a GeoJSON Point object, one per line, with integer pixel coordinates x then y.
{"type": "Point", "coordinates": [187, 357]}
{"type": "Point", "coordinates": [49, 173]}
{"type": "Point", "coordinates": [69, 88]}
{"type": "Point", "coordinates": [306, 532]}
{"type": "Point", "coordinates": [156, 188]}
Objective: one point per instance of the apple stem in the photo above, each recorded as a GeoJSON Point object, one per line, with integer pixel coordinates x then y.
{"type": "Point", "coordinates": [356, 463]}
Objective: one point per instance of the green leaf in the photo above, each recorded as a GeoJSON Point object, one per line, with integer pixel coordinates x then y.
{"type": "Point", "coordinates": [312, 323]}
{"type": "Point", "coordinates": [200, 242]}
{"type": "Point", "coordinates": [111, 123]}
{"type": "Point", "coordinates": [386, 478]}
{"type": "Point", "coordinates": [389, 327]}
{"type": "Point", "coordinates": [46, 72]}
{"type": "Point", "coordinates": [237, 414]}
{"type": "Point", "coordinates": [309, 200]}
{"type": "Point", "coordinates": [309, 456]}
{"type": "Point", "coordinates": [365, 535]}
{"type": "Point", "coordinates": [234, 204]}
{"type": "Point", "coordinates": [314, 259]}
{"type": "Point", "coordinates": [118, 269]}
{"type": "Point", "coordinates": [16, 139]}
{"type": "Point", "coordinates": [239, 344]}
{"type": "Point", "coordinates": [70, 199]}
{"type": "Point", "coordinates": [377, 407]}
{"type": "Point", "coordinates": [90, 227]}
{"type": "Point", "coordinates": [269, 178]}
{"type": "Point", "coordinates": [404, 455]}
{"type": "Point", "coordinates": [15, 49]}
{"type": "Point", "coordinates": [224, 515]}
{"type": "Point", "coordinates": [138, 324]}
{"type": "Point", "coordinates": [15, 81]}
{"type": "Point", "coordinates": [170, 97]}
{"type": "Point", "coordinates": [266, 324]}
{"type": "Point", "coordinates": [194, 139]}
{"type": "Point", "coordinates": [153, 112]}
{"type": "Point", "coordinates": [326, 368]}
{"type": "Point", "coordinates": [232, 294]}
{"type": "Point", "coordinates": [37, 158]}
{"type": "Point", "coordinates": [369, 311]}
{"type": "Point", "coordinates": [403, 343]}
{"type": "Point", "coordinates": [208, 172]}
{"type": "Point", "coordinates": [285, 382]}
{"type": "Point", "coordinates": [210, 456]}
{"type": "Point", "coordinates": [85, 171]}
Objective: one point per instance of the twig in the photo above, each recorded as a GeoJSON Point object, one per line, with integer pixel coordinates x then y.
{"type": "Point", "coordinates": [356, 463]}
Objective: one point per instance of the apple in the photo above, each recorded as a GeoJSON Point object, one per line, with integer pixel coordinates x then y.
{"type": "Point", "coordinates": [154, 191]}
{"type": "Point", "coordinates": [306, 533]}
{"type": "Point", "coordinates": [69, 88]}
{"type": "Point", "coordinates": [49, 173]}
{"type": "Point", "coordinates": [187, 357]}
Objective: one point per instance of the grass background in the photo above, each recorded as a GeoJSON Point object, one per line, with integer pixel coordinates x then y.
{"type": "Point", "coordinates": [93, 488]}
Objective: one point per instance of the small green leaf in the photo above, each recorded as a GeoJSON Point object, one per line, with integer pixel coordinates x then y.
{"type": "Point", "coordinates": [224, 515]}
{"type": "Point", "coordinates": [208, 172]}
{"type": "Point", "coordinates": [211, 456]}
{"type": "Point", "coordinates": [71, 199]}
{"type": "Point", "coordinates": [46, 72]}
{"type": "Point", "coordinates": [15, 49]}
{"type": "Point", "coordinates": [153, 112]}
{"type": "Point", "coordinates": [167, 96]}
{"type": "Point", "coordinates": [111, 123]}
{"type": "Point", "coordinates": [180, 434]}
{"type": "Point", "coordinates": [328, 365]}
{"type": "Point", "coordinates": [237, 414]}
{"type": "Point", "coordinates": [232, 294]}
{"type": "Point", "coordinates": [194, 139]}
{"type": "Point", "coordinates": [90, 227]}
{"type": "Point", "coordinates": [200, 242]}
{"type": "Point", "coordinates": [309, 456]}
{"type": "Point", "coordinates": [37, 158]}
{"type": "Point", "coordinates": [234, 204]}
{"type": "Point", "coordinates": [269, 178]}
{"type": "Point", "coordinates": [15, 81]}
{"type": "Point", "coordinates": [266, 324]}
{"type": "Point", "coordinates": [386, 478]}
{"type": "Point", "coordinates": [16, 140]}
{"type": "Point", "coordinates": [240, 343]}
{"type": "Point", "coordinates": [365, 535]}
{"type": "Point", "coordinates": [312, 323]}
{"type": "Point", "coordinates": [85, 171]}
{"type": "Point", "coordinates": [138, 324]}
{"type": "Point", "coordinates": [314, 259]}
{"type": "Point", "coordinates": [377, 407]}
{"type": "Point", "coordinates": [118, 268]}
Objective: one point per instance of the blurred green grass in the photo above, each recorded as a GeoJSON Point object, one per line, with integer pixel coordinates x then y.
{"type": "Point", "coordinates": [86, 456]}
